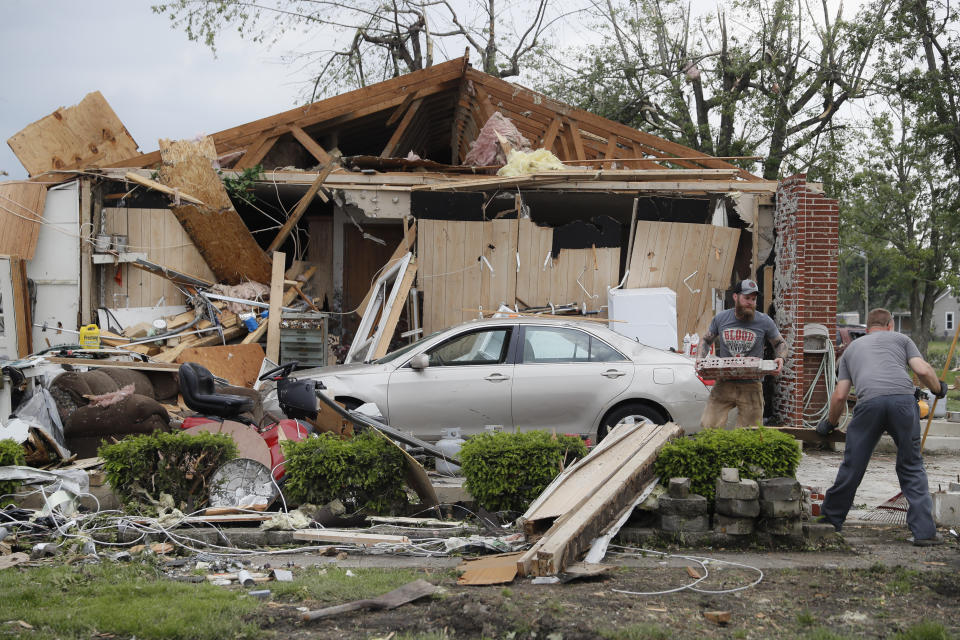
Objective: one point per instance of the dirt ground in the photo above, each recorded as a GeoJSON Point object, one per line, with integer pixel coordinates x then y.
{"type": "Point", "coordinates": [873, 584]}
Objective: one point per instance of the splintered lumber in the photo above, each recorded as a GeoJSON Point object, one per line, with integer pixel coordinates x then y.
{"type": "Point", "coordinates": [571, 533]}
{"type": "Point", "coordinates": [390, 325]}
{"type": "Point", "coordinates": [735, 368]}
{"type": "Point", "coordinates": [350, 537]}
{"type": "Point", "coordinates": [88, 133]}
{"type": "Point", "coordinates": [288, 297]}
{"type": "Point", "coordinates": [217, 230]}
{"type": "Point", "coordinates": [21, 214]}
{"type": "Point", "coordinates": [298, 211]}
{"type": "Point", "coordinates": [21, 305]}
{"type": "Point", "coordinates": [162, 188]}
{"type": "Point", "coordinates": [172, 275]}
{"type": "Point", "coordinates": [171, 355]}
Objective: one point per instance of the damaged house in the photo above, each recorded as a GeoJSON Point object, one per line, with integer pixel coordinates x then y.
{"type": "Point", "coordinates": [403, 199]}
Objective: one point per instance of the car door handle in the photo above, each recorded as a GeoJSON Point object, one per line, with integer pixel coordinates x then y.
{"type": "Point", "coordinates": [497, 377]}
{"type": "Point", "coordinates": [613, 373]}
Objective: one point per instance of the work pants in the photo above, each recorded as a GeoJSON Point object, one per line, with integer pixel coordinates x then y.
{"type": "Point", "coordinates": [899, 416]}
{"type": "Point", "coordinates": [745, 396]}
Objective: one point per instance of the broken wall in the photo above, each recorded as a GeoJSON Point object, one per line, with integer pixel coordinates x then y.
{"type": "Point", "coordinates": [805, 288]}
{"type": "Point", "coordinates": [158, 234]}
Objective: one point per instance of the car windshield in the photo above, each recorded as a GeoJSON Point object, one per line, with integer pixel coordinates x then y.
{"type": "Point", "coordinates": [393, 355]}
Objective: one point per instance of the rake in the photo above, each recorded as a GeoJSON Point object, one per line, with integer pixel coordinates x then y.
{"type": "Point", "coordinates": [894, 510]}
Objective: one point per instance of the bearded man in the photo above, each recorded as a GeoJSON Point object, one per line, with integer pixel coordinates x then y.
{"type": "Point", "coordinates": [740, 332]}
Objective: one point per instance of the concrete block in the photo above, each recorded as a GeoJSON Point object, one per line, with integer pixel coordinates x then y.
{"type": "Point", "coordinates": [946, 508]}
{"type": "Point", "coordinates": [687, 507]}
{"type": "Point", "coordinates": [781, 526]}
{"type": "Point", "coordinates": [737, 508]}
{"type": "Point", "coordinates": [730, 474]}
{"type": "Point", "coordinates": [681, 524]}
{"type": "Point", "coordinates": [953, 486]}
{"type": "Point", "coordinates": [779, 508]}
{"type": "Point", "coordinates": [732, 526]}
{"type": "Point", "coordinates": [780, 489]}
{"type": "Point", "coordinates": [678, 487]}
{"type": "Point", "coordinates": [742, 490]}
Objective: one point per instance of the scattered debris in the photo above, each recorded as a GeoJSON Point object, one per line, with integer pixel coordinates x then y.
{"type": "Point", "coordinates": [390, 600]}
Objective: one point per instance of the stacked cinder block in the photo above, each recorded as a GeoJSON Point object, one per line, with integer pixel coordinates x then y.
{"type": "Point", "coordinates": [780, 508]}
{"type": "Point", "coordinates": [737, 504]}
{"type": "Point", "coordinates": [682, 511]}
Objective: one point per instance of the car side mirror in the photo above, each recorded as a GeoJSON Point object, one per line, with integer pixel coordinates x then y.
{"type": "Point", "coordinates": [419, 361]}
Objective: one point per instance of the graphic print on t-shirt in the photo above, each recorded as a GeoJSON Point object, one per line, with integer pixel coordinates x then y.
{"type": "Point", "coordinates": [739, 341]}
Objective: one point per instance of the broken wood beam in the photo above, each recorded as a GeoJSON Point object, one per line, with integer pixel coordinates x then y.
{"type": "Point", "coordinates": [276, 297]}
{"type": "Point", "coordinates": [162, 188]}
{"type": "Point", "coordinates": [390, 324]}
{"type": "Point", "coordinates": [571, 534]}
{"type": "Point", "coordinates": [298, 211]}
{"type": "Point", "coordinates": [343, 536]}
{"type": "Point", "coordinates": [256, 151]}
{"type": "Point", "coordinates": [409, 240]}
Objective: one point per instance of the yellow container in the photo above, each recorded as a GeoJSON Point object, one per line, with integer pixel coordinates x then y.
{"type": "Point", "coordinates": [90, 336]}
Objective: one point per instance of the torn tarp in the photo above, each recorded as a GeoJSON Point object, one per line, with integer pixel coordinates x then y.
{"type": "Point", "coordinates": [75, 481]}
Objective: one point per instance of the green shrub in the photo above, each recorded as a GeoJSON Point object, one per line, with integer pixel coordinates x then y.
{"type": "Point", "coordinates": [364, 472]}
{"type": "Point", "coordinates": [507, 471]}
{"type": "Point", "coordinates": [758, 453]}
{"type": "Point", "coordinates": [11, 454]}
{"type": "Point", "coordinates": [175, 463]}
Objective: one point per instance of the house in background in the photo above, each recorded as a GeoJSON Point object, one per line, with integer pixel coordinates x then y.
{"type": "Point", "coordinates": [946, 313]}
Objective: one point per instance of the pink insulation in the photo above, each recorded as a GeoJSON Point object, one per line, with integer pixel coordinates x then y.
{"type": "Point", "coordinates": [486, 150]}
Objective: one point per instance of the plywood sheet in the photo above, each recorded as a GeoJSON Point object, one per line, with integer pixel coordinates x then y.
{"type": "Point", "coordinates": [86, 134]}
{"type": "Point", "coordinates": [217, 230]}
{"type": "Point", "coordinates": [691, 259]}
{"type": "Point", "coordinates": [449, 271]}
{"type": "Point", "coordinates": [21, 214]}
{"type": "Point", "coordinates": [497, 569]}
{"type": "Point", "coordinates": [239, 364]}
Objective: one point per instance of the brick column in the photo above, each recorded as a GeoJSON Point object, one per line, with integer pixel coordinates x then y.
{"type": "Point", "coordinates": [805, 288]}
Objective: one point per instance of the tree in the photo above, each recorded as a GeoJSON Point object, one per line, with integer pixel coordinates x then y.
{"type": "Point", "coordinates": [769, 82]}
{"type": "Point", "coordinates": [902, 204]}
{"type": "Point", "coordinates": [371, 40]}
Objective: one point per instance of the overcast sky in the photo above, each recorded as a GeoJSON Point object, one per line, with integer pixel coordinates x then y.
{"type": "Point", "coordinates": [54, 52]}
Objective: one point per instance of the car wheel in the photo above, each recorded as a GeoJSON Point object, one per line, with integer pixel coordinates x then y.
{"type": "Point", "coordinates": [631, 413]}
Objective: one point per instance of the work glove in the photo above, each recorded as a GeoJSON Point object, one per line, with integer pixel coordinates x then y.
{"type": "Point", "coordinates": [942, 393]}
{"type": "Point", "coordinates": [825, 427]}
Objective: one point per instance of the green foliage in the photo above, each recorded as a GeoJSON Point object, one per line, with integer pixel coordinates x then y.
{"type": "Point", "coordinates": [643, 631]}
{"type": "Point", "coordinates": [241, 186]}
{"type": "Point", "coordinates": [506, 471]}
{"type": "Point", "coordinates": [174, 463]}
{"type": "Point", "coordinates": [124, 600]}
{"type": "Point", "coordinates": [11, 453]}
{"type": "Point", "coordinates": [925, 631]}
{"type": "Point", "coordinates": [364, 472]}
{"type": "Point", "coordinates": [758, 453]}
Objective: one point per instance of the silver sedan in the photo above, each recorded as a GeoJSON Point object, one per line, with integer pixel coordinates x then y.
{"type": "Point", "coordinates": [521, 374]}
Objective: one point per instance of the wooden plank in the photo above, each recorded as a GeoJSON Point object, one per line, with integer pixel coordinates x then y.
{"type": "Point", "coordinates": [550, 135]}
{"type": "Point", "coordinates": [574, 133]}
{"type": "Point", "coordinates": [400, 110]}
{"type": "Point", "coordinates": [216, 230]}
{"type": "Point", "coordinates": [427, 261]}
{"type": "Point", "coordinates": [455, 262]}
{"type": "Point", "coordinates": [390, 325]}
{"type": "Point", "coordinates": [298, 211]}
{"type": "Point", "coordinates": [319, 153]}
{"type": "Point", "coordinates": [570, 536]}
{"type": "Point", "coordinates": [348, 537]}
{"type": "Point", "coordinates": [156, 186]}
{"type": "Point", "coordinates": [73, 138]}
{"type": "Point", "coordinates": [500, 249]}
{"type": "Point", "coordinates": [401, 129]}
{"type": "Point", "coordinates": [21, 214]}
{"type": "Point", "coordinates": [257, 150]}
{"type": "Point", "coordinates": [170, 355]}
{"type": "Point", "coordinates": [276, 296]}
{"type": "Point", "coordinates": [239, 364]}
{"type": "Point", "coordinates": [116, 364]}
{"type": "Point", "coordinates": [21, 305]}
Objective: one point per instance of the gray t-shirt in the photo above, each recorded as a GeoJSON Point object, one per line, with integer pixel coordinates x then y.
{"type": "Point", "coordinates": [738, 338]}
{"type": "Point", "coordinates": [876, 364]}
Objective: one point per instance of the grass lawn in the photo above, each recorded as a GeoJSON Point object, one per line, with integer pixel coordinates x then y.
{"type": "Point", "coordinates": [138, 600]}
